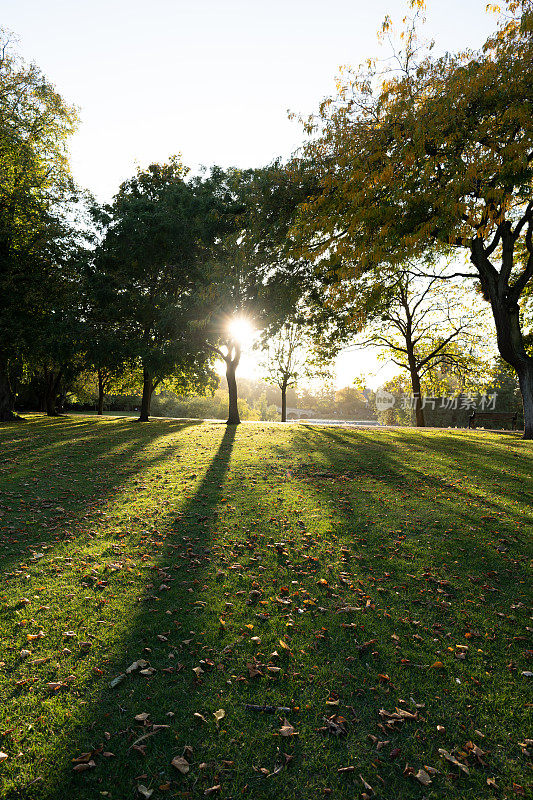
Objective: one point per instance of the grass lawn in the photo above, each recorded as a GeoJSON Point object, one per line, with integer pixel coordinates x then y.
{"type": "Point", "coordinates": [373, 582]}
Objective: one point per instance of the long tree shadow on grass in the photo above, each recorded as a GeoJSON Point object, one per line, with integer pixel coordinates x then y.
{"type": "Point", "coordinates": [430, 573]}
{"type": "Point", "coordinates": [344, 520]}
{"type": "Point", "coordinates": [49, 483]}
{"type": "Point", "coordinates": [166, 620]}
{"type": "Point", "coordinates": [506, 477]}
{"type": "Point", "coordinates": [426, 504]}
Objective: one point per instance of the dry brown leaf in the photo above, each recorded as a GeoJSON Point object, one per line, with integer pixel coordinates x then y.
{"type": "Point", "coordinates": [422, 777]}
{"type": "Point", "coordinates": [287, 729]}
{"type": "Point", "coordinates": [180, 764]}
{"type": "Point", "coordinates": [453, 760]}
{"type": "Point", "coordinates": [83, 767]}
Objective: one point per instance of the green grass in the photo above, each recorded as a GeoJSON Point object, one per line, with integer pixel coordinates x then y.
{"type": "Point", "coordinates": [140, 539]}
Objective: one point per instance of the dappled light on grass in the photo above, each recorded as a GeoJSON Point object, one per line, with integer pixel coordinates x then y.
{"type": "Point", "coordinates": [274, 612]}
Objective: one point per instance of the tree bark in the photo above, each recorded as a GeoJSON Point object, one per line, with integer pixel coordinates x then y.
{"type": "Point", "coordinates": [506, 312]}
{"type": "Point", "coordinates": [415, 385]}
{"type": "Point", "coordinates": [100, 393]}
{"type": "Point", "coordinates": [52, 383]}
{"type": "Point", "coordinates": [7, 397]}
{"type": "Point", "coordinates": [417, 394]}
{"type": "Point", "coordinates": [148, 388]}
{"type": "Point", "coordinates": [525, 378]}
{"type": "Point", "coordinates": [284, 402]}
{"type": "Point", "coordinates": [512, 350]}
{"type": "Point", "coordinates": [233, 411]}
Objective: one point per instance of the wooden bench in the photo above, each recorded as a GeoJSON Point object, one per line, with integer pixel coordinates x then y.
{"type": "Point", "coordinates": [493, 416]}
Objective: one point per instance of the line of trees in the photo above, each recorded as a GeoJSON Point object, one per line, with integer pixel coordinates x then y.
{"type": "Point", "coordinates": [361, 236]}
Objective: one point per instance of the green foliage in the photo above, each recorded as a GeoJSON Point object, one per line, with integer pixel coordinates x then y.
{"type": "Point", "coordinates": [36, 222]}
{"type": "Point", "coordinates": [148, 273]}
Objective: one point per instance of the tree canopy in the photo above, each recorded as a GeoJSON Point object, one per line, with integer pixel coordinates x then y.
{"type": "Point", "coordinates": [434, 153]}
{"type": "Point", "coordinates": [36, 223]}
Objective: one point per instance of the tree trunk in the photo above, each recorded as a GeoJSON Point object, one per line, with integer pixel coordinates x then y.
{"type": "Point", "coordinates": [525, 377]}
{"type": "Point", "coordinates": [284, 402]}
{"type": "Point", "coordinates": [233, 413]}
{"type": "Point", "coordinates": [100, 393]}
{"type": "Point", "coordinates": [148, 388]}
{"type": "Point", "coordinates": [417, 394]}
{"type": "Point", "coordinates": [52, 383]}
{"type": "Point", "coordinates": [512, 350]}
{"type": "Point", "coordinates": [506, 312]}
{"type": "Point", "coordinates": [7, 397]}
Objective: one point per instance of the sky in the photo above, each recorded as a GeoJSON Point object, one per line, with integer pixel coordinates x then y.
{"type": "Point", "coordinates": [210, 79]}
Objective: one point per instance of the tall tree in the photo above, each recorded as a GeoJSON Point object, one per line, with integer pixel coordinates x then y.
{"type": "Point", "coordinates": [148, 272]}
{"type": "Point", "coordinates": [231, 313]}
{"type": "Point", "coordinates": [35, 124]}
{"type": "Point", "coordinates": [436, 154]}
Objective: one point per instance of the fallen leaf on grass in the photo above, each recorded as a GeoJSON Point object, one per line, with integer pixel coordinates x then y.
{"type": "Point", "coordinates": [366, 785]}
{"type": "Point", "coordinates": [3, 756]}
{"type": "Point", "coordinates": [142, 717]}
{"type": "Point", "coordinates": [84, 758]}
{"type": "Point", "coordinates": [144, 791]}
{"type": "Point", "coordinates": [180, 764]}
{"type": "Point", "coordinates": [83, 767]}
{"type": "Point", "coordinates": [335, 725]}
{"type": "Point", "coordinates": [476, 751]}
{"type": "Point", "coordinates": [219, 715]}
{"type": "Point", "coordinates": [140, 664]}
{"type": "Point", "coordinates": [422, 777]}
{"type": "Point", "coordinates": [287, 729]}
{"type": "Point", "coordinates": [212, 789]}
{"type": "Point", "coordinates": [454, 761]}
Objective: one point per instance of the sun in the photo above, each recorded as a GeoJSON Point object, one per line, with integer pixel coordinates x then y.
{"type": "Point", "coordinates": [241, 330]}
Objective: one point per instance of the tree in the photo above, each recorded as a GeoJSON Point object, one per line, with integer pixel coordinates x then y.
{"type": "Point", "coordinates": [291, 354]}
{"type": "Point", "coordinates": [237, 299]}
{"type": "Point", "coordinates": [352, 403]}
{"type": "Point", "coordinates": [435, 154]}
{"type": "Point", "coordinates": [147, 275]}
{"type": "Point", "coordinates": [423, 327]}
{"type": "Point", "coordinates": [228, 321]}
{"type": "Point", "coordinates": [35, 124]}
{"type": "Point", "coordinates": [284, 361]}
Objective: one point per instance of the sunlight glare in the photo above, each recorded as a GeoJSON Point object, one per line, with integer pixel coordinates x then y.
{"type": "Point", "coordinates": [242, 330]}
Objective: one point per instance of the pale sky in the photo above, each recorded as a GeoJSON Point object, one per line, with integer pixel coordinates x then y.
{"type": "Point", "coordinates": [211, 79]}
